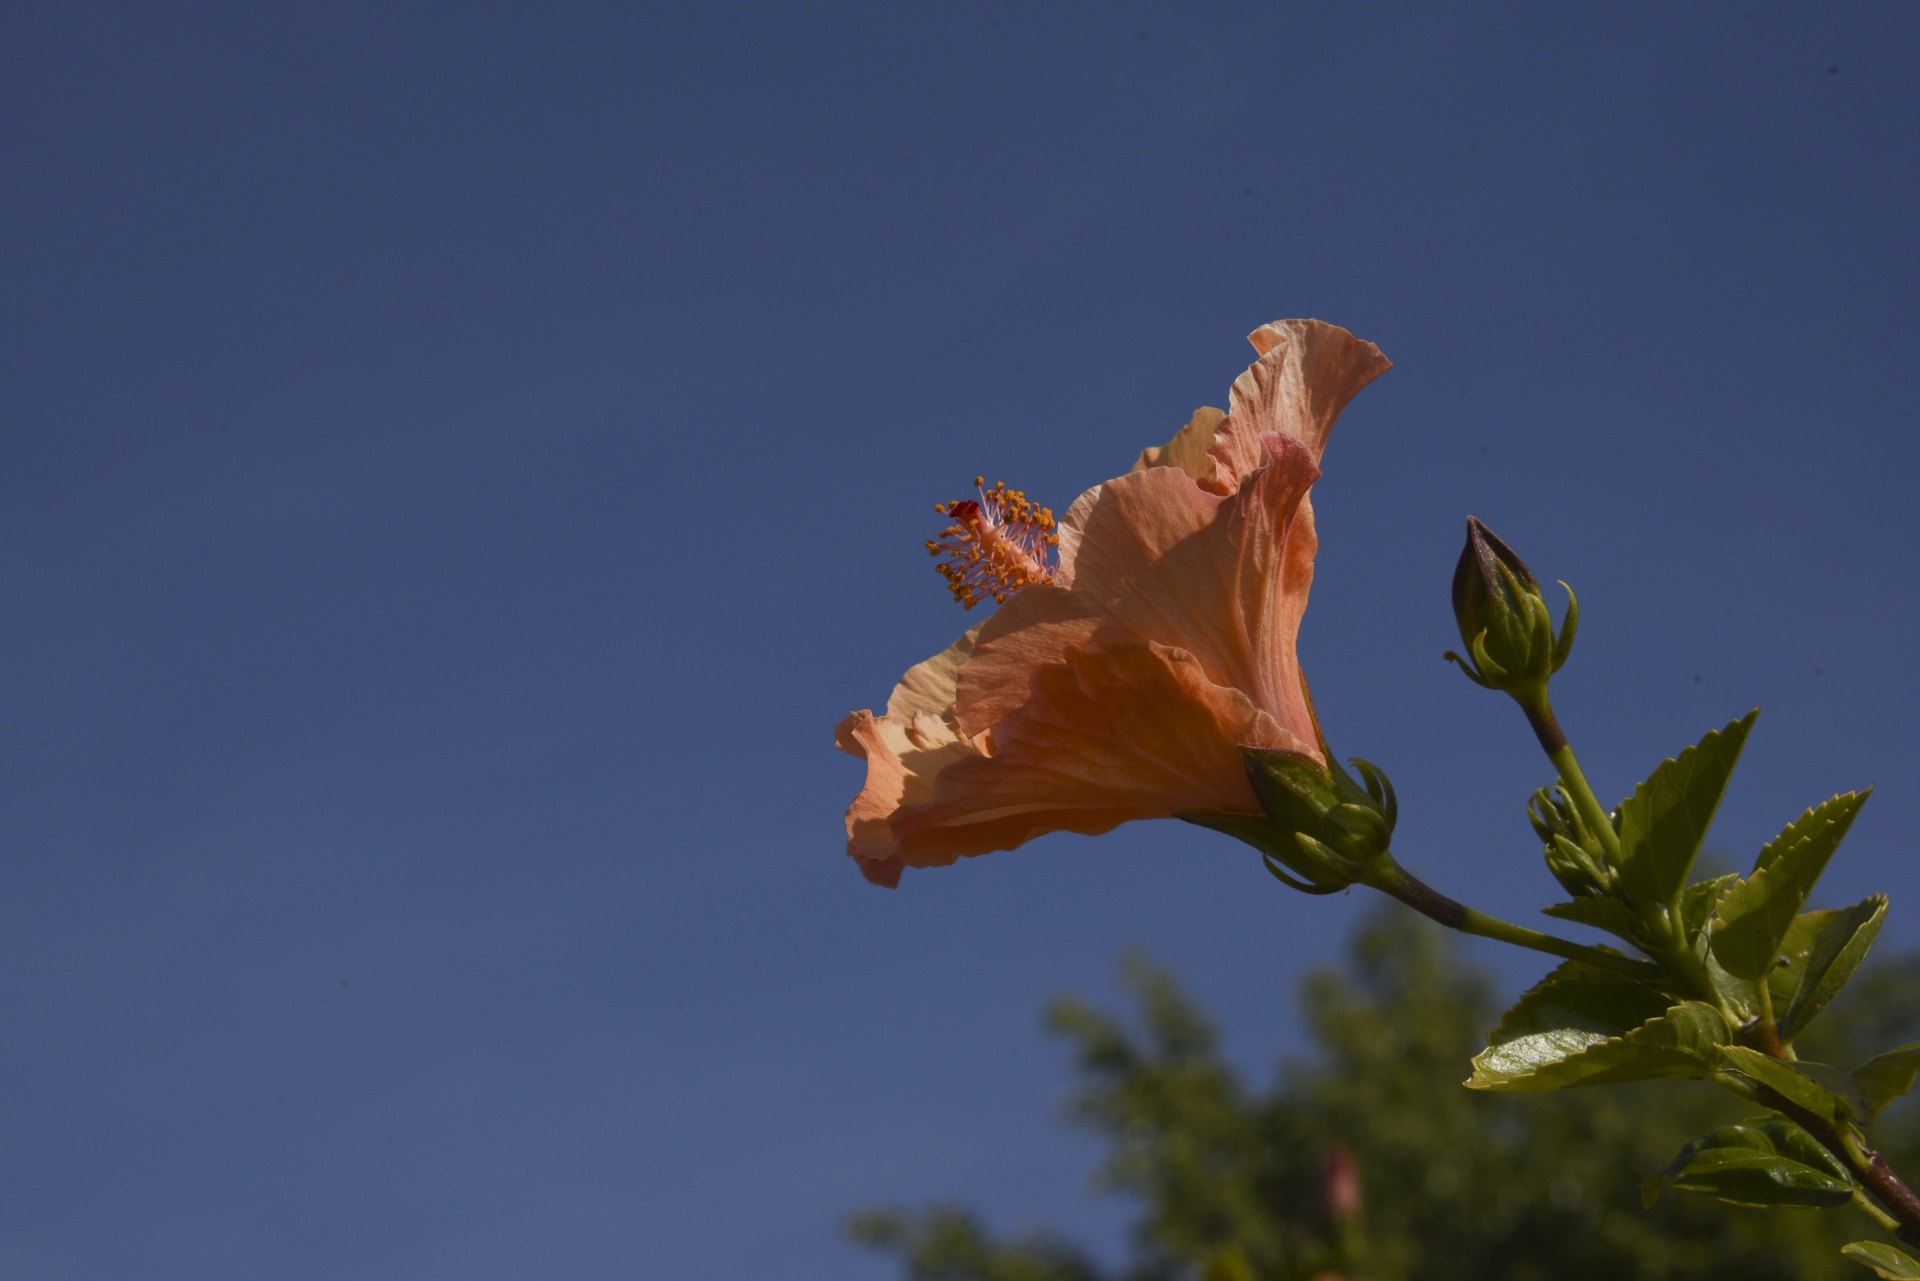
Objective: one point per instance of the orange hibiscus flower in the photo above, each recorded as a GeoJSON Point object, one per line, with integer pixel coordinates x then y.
{"type": "Point", "coordinates": [1124, 682]}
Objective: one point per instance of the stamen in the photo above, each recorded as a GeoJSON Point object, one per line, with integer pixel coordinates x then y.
{"type": "Point", "coordinates": [996, 545]}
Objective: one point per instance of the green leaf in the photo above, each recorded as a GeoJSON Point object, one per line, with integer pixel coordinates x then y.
{"type": "Point", "coordinates": [1824, 949]}
{"type": "Point", "coordinates": [1760, 1163]}
{"type": "Point", "coordinates": [1885, 1077]}
{"type": "Point", "coordinates": [1825, 1091]}
{"type": "Point", "coordinates": [1608, 914]}
{"type": "Point", "coordinates": [1584, 1028]}
{"type": "Point", "coordinates": [1836, 1082]}
{"type": "Point", "coordinates": [1698, 900]}
{"type": "Point", "coordinates": [1807, 825]}
{"type": "Point", "coordinates": [1666, 818]}
{"type": "Point", "coordinates": [1741, 997]}
{"type": "Point", "coordinates": [1752, 918]}
{"type": "Point", "coordinates": [1884, 1259]}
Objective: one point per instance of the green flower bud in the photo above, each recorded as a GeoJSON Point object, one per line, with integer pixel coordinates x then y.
{"type": "Point", "coordinates": [1574, 856]}
{"type": "Point", "coordinates": [1322, 824]}
{"type": "Point", "coordinates": [1504, 620]}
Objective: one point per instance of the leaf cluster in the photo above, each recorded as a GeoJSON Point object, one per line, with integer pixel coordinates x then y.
{"type": "Point", "coordinates": [1743, 970]}
{"type": "Point", "coordinates": [1458, 1184]}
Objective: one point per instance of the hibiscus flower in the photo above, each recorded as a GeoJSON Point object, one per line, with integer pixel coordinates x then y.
{"type": "Point", "coordinates": [1125, 681]}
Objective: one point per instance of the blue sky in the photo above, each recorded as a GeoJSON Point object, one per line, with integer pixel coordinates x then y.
{"type": "Point", "coordinates": [459, 462]}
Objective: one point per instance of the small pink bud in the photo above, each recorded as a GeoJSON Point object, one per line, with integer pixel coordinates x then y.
{"type": "Point", "coordinates": [1340, 1186]}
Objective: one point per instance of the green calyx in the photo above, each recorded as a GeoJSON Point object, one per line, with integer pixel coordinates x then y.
{"type": "Point", "coordinates": [1574, 851]}
{"type": "Point", "coordinates": [1504, 621]}
{"type": "Point", "coordinates": [1323, 825]}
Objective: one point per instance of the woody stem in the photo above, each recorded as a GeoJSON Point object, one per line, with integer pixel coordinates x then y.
{"type": "Point", "coordinates": [1896, 1200]}
{"type": "Point", "coordinates": [1387, 876]}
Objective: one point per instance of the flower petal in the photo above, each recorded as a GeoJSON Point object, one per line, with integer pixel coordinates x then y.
{"type": "Point", "coordinates": [1188, 448]}
{"type": "Point", "coordinates": [928, 687]}
{"type": "Point", "coordinates": [1306, 373]}
{"type": "Point", "coordinates": [1110, 735]}
{"type": "Point", "coordinates": [1225, 579]}
{"type": "Point", "coordinates": [903, 750]}
{"type": "Point", "coordinates": [1040, 626]}
{"type": "Point", "coordinates": [903, 756]}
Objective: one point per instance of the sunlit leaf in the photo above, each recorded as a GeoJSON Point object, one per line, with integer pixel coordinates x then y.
{"type": "Point", "coordinates": [1753, 917]}
{"type": "Point", "coordinates": [1825, 948]}
{"type": "Point", "coordinates": [1666, 818]}
{"type": "Point", "coordinates": [1884, 1259]}
{"type": "Point", "coordinates": [1577, 1029]}
{"type": "Point", "coordinates": [1885, 1077]}
{"type": "Point", "coordinates": [1825, 1091]}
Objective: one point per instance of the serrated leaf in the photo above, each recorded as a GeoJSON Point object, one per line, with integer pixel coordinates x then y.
{"type": "Point", "coordinates": [1884, 1259]}
{"type": "Point", "coordinates": [1608, 914]}
{"type": "Point", "coordinates": [1576, 996]}
{"type": "Point", "coordinates": [1825, 1091]}
{"type": "Point", "coordinates": [1826, 947]}
{"type": "Point", "coordinates": [1572, 1036]}
{"type": "Point", "coordinates": [1751, 921]}
{"type": "Point", "coordinates": [1773, 1162]}
{"type": "Point", "coordinates": [1802, 828]}
{"type": "Point", "coordinates": [1666, 818]}
{"type": "Point", "coordinates": [1885, 1077]}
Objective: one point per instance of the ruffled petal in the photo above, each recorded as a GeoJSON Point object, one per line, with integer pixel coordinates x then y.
{"type": "Point", "coordinates": [1108, 736]}
{"type": "Point", "coordinates": [928, 686]}
{"type": "Point", "coordinates": [1306, 374]}
{"type": "Point", "coordinates": [1040, 626]}
{"type": "Point", "coordinates": [903, 750]}
{"type": "Point", "coordinates": [903, 756]}
{"type": "Point", "coordinates": [1225, 579]}
{"type": "Point", "coordinates": [1188, 448]}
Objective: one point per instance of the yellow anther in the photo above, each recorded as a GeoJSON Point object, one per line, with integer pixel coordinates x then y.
{"type": "Point", "coordinates": [997, 544]}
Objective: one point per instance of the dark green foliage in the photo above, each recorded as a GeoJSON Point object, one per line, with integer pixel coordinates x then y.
{"type": "Point", "coordinates": [950, 1245]}
{"type": "Point", "coordinates": [1459, 1185]}
{"type": "Point", "coordinates": [1764, 1162]}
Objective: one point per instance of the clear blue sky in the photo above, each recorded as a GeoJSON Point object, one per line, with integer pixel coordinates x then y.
{"type": "Point", "coordinates": [459, 461]}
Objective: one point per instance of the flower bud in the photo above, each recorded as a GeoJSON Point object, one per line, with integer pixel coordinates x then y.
{"type": "Point", "coordinates": [1322, 824]}
{"type": "Point", "coordinates": [1340, 1187]}
{"type": "Point", "coordinates": [1504, 620]}
{"type": "Point", "coordinates": [1574, 856]}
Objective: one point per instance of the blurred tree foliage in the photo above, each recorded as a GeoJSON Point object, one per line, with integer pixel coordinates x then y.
{"type": "Point", "coordinates": [1232, 1184]}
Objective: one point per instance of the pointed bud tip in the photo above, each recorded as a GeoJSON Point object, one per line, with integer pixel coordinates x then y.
{"type": "Point", "coordinates": [1502, 618]}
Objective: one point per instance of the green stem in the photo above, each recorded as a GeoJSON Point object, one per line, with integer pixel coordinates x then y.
{"type": "Point", "coordinates": [1667, 937]}
{"type": "Point", "coordinates": [1553, 741]}
{"type": "Point", "coordinates": [1387, 876]}
{"type": "Point", "coordinates": [1865, 1204]}
{"type": "Point", "coordinates": [1765, 1030]}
